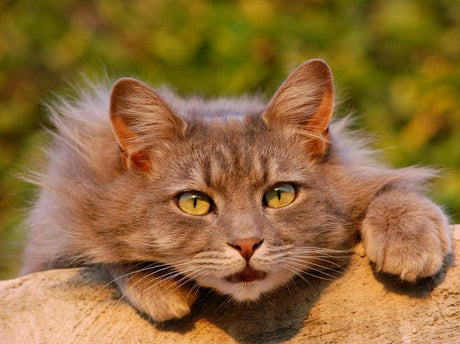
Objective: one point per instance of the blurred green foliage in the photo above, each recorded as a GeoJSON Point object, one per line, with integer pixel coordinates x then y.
{"type": "Point", "coordinates": [396, 65]}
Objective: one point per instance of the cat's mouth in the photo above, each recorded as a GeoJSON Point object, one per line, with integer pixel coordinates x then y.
{"type": "Point", "coordinates": [248, 274]}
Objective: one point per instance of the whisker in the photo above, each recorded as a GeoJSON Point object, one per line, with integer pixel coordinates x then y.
{"type": "Point", "coordinates": [310, 262]}
{"type": "Point", "coordinates": [130, 273]}
{"type": "Point", "coordinates": [149, 267]}
{"type": "Point", "coordinates": [297, 273]}
{"type": "Point", "coordinates": [308, 272]}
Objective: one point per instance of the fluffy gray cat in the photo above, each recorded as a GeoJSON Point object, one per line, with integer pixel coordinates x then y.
{"type": "Point", "coordinates": [172, 194]}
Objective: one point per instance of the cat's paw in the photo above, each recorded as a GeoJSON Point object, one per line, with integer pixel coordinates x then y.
{"type": "Point", "coordinates": [160, 298]}
{"type": "Point", "coordinates": [170, 302]}
{"type": "Point", "coordinates": [405, 234]}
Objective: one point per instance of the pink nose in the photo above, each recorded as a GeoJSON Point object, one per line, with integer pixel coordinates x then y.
{"type": "Point", "coordinates": [246, 247]}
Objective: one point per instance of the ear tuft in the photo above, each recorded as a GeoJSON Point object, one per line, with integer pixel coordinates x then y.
{"type": "Point", "coordinates": [304, 104]}
{"type": "Point", "coordinates": [140, 120]}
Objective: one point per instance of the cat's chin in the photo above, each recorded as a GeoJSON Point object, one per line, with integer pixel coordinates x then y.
{"type": "Point", "coordinates": [241, 290]}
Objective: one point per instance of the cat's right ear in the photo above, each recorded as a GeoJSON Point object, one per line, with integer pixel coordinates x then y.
{"type": "Point", "coordinates": [140, 120]}
{"type": "Point", "coordinates": [304, 104]}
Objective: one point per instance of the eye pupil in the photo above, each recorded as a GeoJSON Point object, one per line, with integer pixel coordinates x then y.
{"type": "Point", "coordinates": [195, 201]}
{"type": "Point", "coordinates": [278, 193]}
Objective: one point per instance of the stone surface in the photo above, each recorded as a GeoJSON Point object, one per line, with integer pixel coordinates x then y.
{"type": "Point", "coordinates": [360, 306]}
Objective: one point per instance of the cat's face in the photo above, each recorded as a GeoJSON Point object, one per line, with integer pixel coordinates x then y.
{"type": "Point", "coordinates": [234, 203]}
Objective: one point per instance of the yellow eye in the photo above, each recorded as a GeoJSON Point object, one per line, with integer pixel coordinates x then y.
{"type": "Point", "coordinates": [280, 195]}
{"type": "Point", "coordinates": [194, 203]}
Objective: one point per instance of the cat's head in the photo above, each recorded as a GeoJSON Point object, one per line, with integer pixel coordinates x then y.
{"type": "Point", "coordinates": [235, 201]}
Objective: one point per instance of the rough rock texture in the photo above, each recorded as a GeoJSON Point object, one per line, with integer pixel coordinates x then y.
{"type": "Point", "coordinates": [78, 306]}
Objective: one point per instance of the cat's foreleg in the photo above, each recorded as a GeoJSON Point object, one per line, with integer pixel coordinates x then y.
{"type": "Point", "coordinates": [151, 293]}
{"type": "Point", "coordinates": [406, 234]}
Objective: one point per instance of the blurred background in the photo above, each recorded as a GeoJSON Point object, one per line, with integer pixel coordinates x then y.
{"type": "Point", "coordinates": [396, 65]}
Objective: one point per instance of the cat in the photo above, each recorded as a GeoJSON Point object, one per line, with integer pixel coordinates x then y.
{"type": "Point", "coordinates": [173, 194]}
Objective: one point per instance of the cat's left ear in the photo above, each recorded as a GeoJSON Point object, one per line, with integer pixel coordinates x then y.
{"type": "Point", "coordinates": [141, 121]}
{"type": "Point", "coordinates": [304, 104]}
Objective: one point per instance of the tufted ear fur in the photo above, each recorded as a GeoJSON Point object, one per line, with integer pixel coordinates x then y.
{"type": "Point", "coordinates": [304, 104]}
{"type": "Point", "coordinates": [140, 120]}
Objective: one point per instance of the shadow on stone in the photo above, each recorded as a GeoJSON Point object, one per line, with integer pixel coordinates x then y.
{"type": "Point", "coordinates": [275, 318]}
{"type": "Point", "coordinates": [419, 289]}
